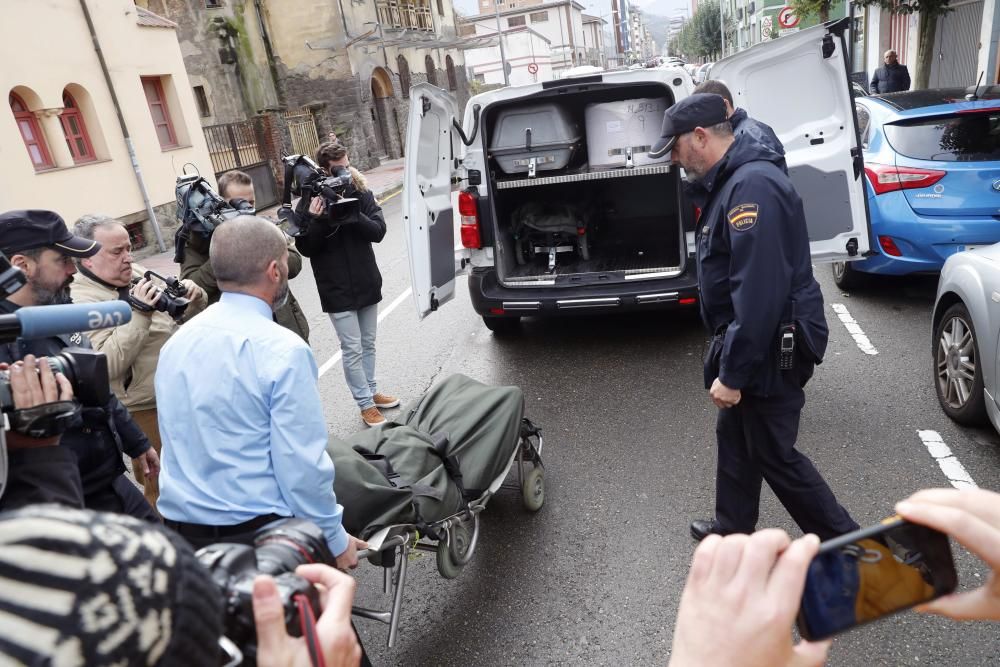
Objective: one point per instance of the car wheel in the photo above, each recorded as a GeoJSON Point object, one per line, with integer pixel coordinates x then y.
{"type": "Point", "coordinates": [846, 277]}
{"type": "Point", "coordinates": [503, 326]}
{"type": "Point", "coordinates": [958, 372]}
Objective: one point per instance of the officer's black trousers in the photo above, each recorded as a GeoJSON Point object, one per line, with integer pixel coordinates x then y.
{"type": "Point", "coordinates": [756, 442]}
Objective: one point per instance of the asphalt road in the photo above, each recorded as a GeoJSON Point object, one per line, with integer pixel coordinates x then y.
{"type": "Point", "coordinates": [596, 575]}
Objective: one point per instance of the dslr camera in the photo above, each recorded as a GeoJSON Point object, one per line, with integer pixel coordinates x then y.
{"type": "Point", "coordinates": [172, 299]}
{"type": "Point", "coordinates": [279, 548]}
{"type": "Point", "coordinates": [308, 181]}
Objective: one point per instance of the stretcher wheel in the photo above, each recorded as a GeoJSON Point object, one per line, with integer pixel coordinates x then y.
{"type": "Point", "coordinates": [533, 489]}
{"type": "Point", "coordinates": [446, 567]}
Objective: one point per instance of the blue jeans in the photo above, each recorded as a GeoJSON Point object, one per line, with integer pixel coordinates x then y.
{"type": "Point", "coordinates": [356, 330]}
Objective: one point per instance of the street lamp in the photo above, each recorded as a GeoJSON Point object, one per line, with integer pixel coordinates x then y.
{"type": "Point", "coordinates": [503, 54]}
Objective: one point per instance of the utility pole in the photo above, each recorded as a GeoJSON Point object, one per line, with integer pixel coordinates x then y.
{"type": "Point", "coordinates": [722, 28]}
{"type": "Point", "coordinates": [503, 54]}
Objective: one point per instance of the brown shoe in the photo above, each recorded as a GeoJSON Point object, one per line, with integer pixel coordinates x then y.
{"type": "Point", "coordinates": [385, 401]}
{"type": "Point", "coordinates": [372, 417]}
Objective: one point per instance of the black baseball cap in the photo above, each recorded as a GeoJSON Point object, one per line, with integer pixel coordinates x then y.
{"type": "Point", "coordinates": [28, 230]}
{"type": "Point", "coordinates": [700, 110]}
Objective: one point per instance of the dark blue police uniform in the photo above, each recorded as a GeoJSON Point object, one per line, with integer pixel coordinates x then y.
{"type": "Point", "coordinates": [755, 275]}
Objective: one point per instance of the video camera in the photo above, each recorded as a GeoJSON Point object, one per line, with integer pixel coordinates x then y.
{"type": "Point", "coordinates": [172, 299]}
{"type": "Point", "coordinates": [200, 209]}
{"type": "Point", "coordinates": [279, 548]}
{"type": "Point", "coordinates": [305, 179]}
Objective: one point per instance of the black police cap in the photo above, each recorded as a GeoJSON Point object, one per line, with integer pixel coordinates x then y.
{"type": "Point", "coordinates": [700, 110]}
{"type": "Point", "coordinates": [29, 230]}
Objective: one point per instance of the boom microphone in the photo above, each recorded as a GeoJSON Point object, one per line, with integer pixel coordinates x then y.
{"type": "Point", "coordinates": [46, 321]}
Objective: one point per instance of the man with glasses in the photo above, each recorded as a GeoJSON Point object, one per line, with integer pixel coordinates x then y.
{"type": "Point", "coordinates": [765, 311]}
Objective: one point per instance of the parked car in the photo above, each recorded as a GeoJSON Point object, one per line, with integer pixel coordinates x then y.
{"type": "Point", "coordinates": [932, 165]}
{"type": "Point", "coordinates": [858, 90]}
{"type": "Point", "coordinates": [702, 73]}
{"type": "Point", "coordinates": [560, 210]}
{"type": "Point", "coordinates": [966, 326]}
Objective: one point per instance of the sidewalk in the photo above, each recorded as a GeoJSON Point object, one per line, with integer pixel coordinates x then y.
{"type": "Point", "coordinates": [384, 180]}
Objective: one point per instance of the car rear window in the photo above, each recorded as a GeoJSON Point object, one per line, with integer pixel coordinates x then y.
{"type": "Point", "coordinates": [963, 137]}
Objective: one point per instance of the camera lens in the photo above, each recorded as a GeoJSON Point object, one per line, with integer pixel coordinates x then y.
{"type": "Point", "coordinates": [288, 543]}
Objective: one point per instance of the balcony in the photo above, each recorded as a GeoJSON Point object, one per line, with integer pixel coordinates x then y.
{"type": "Point", "coordinates": [404, 14]}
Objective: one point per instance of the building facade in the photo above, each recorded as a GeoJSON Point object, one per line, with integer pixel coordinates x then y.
{"type": "Point", "coordinates": [62, 145]}
{"type": "Point", "coordinates": [558, 23]}
{"type": "Point", "coordinates": [343, 67]}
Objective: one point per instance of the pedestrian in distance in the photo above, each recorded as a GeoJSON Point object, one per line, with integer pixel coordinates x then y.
{"type": "Point", "coordinates": [764, 309]}
{"type": "Point", "coordinates": [890, 77]}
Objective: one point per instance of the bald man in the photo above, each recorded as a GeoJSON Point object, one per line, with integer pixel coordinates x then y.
{"type": "Point", "coordinates": [891, 77]}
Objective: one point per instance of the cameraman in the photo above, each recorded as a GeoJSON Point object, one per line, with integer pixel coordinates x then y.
{"type": "Point", "coordinates": [339, 242]}
{"type": "Point", "coordinates": [236, 187]}
{"type": "Point", "coordinates": [39, 244]}
{"type": "Point", "coordinates": [132, 349]}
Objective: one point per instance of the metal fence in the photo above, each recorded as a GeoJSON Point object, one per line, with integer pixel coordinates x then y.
{"type": "Point", "coordinates": [238, 146]}
{"type": "Point", "coordinates": [302, 128]}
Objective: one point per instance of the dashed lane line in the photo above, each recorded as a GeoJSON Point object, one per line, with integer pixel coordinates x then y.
{"type": "Point", "coordinates": [853, 328]}
{"type": "Point", "coordinates": [332, 361]}
{"type": "Point", "coordinates": [948, 462]}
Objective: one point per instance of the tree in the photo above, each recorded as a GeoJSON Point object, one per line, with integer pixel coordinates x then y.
{"type": "Point", "coordinates": [820, 8]}
{"type": "Point", "coordinates": [701, 37]}
{"type": "Point", "coordinates": [929, 11]}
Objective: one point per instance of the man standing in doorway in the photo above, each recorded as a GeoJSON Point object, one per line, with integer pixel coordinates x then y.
{"type": "Point", "coordinates": [765, 309]}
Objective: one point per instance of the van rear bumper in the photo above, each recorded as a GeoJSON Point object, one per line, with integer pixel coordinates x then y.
{"type": "Point", "coordinates": [491, 299]}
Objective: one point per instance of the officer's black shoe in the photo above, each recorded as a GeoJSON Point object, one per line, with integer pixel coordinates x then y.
{"type": "Point", "coordinates": [701, 529]}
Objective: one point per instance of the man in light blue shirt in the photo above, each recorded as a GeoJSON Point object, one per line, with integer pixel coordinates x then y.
{"type": "Point", "coordinates": [244, 438]}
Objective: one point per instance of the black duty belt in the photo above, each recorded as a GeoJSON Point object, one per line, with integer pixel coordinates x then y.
{"type": "Point", "coordinates": [202, 531]}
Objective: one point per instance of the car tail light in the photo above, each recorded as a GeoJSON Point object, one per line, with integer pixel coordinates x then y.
{"type": "Point", "coordinates": [888, 178]}
{"type": "Point", "coordinates": [889, 246]}
{"type": "Point", "coordinates": [468, 209]}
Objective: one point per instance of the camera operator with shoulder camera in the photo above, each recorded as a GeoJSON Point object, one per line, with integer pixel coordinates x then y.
{"type": "Point", "coordinates": [39, 244]}
{"type": "Point", "coordinates": [338, 239]}
{"type": "Point", "coordinates": [133, 348]}
{"type": "Point", "coordinates": [236, 188]}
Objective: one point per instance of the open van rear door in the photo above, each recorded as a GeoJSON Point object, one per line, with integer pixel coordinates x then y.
{"type": "Point", "coordinates": [799, 85]}
{"type": "Point", "coordinates": [427, 209]}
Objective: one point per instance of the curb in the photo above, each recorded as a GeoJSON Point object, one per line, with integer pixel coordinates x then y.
{"type": "Point", "coordinates": [388, 192]}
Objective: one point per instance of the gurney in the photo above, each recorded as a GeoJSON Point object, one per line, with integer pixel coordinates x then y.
{"type": "Point", "coordinates": [420, 482]}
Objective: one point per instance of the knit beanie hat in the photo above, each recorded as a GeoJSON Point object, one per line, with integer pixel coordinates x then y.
{"type": "Point", "coordinates": [81, 588]}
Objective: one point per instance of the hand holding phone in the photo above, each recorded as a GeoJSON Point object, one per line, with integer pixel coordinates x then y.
{"type": "Point", "coordinates": [874, 572]}
{"type": "Point", "coordinates": [972, 517]}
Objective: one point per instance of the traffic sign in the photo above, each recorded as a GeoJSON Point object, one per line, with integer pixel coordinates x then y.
{"type": "Point", "coordinates": [787, 18]}
{"type": "Point", "coordinates": [532, 68]}
{"type": "Point", "coordinates": [765, 28]}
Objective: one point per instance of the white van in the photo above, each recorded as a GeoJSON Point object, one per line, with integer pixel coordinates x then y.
{"type": "Point", "coordinates": [634, 248]}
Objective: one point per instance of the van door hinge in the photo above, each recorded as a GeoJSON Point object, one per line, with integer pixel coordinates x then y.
{"type": "Point", "coordinates": [852, 247]}
{"type": "Point", "coordinates": [828, 47]}
{"type": "Point", "coordinates": [434, 303]}
{"type": "Point", "coordinates": [425, 106]}
{"type": "Point", "coordinates": [859, 162]}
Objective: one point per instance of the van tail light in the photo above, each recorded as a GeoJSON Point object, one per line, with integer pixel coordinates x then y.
{"type": "Point", "coordinates": [469, 212]}
{"type": "Point", "coordinates": [688, 301]}
{"type": "Point", "coordinates": [697, 214]}
{"type": "Point", "coordinates": [889, 246]}
{"type": "Point", "coordinates": [888, 178]}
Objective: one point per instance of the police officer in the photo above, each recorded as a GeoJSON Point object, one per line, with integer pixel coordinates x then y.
{"type": "Point", "coordinates": [765, 310]}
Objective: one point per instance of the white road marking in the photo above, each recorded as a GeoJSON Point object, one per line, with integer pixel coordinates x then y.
{"type": "Point", "coordinates": [332, 361]}
{"type": "Point", "coordinates": [864, 344]}
{"type": "Point", "coordinates": [949, 464]}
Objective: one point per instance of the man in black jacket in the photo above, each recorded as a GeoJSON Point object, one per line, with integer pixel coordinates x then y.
{"type": "Point", "coordinates": [891, 77]}
{"type": "Point", "coordinates": [40, 245]}
{"type": "Point", "coordinates": [339, 243]}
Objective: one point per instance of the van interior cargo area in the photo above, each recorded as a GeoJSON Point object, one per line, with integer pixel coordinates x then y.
{"type": "Point", "coordinates": [581, 226]}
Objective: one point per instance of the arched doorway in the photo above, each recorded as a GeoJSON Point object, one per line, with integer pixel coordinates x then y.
{"type": "Point", "coordinates": [381, 111]}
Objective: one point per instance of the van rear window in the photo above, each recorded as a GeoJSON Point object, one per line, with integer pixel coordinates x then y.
{"type": "Point", "coordinates": [963, 137]}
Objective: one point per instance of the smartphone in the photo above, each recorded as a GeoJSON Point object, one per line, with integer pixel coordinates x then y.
{"type": "Point", "coordinates": [874, 572]}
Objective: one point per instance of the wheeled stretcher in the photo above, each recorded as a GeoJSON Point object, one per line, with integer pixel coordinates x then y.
{"type": "Point", "coordinates": [419, 483]}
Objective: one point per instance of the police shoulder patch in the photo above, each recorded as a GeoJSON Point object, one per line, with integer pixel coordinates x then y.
{"type": "Point", "coordinates": [742, 217]}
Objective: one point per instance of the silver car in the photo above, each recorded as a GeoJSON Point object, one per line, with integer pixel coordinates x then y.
{"type": "Point", "coordinates": [966, 330]}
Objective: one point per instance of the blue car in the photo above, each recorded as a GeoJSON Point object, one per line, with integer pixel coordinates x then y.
{"type": "Point", "coordinates": [932, 160]}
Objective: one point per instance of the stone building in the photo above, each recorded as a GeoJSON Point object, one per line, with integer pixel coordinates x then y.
{"type": "Point", "coordinates": [317, 66]}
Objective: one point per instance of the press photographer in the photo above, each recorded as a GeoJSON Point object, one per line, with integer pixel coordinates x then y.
{"type": "Point", "coordinates": [338, 237]}
{"type": "Point", "coordinates": [200, 211]}
{"type": "Point", "coordinates": [132, 349]}
{"type": "Point", "coordinates": [39, 244]}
